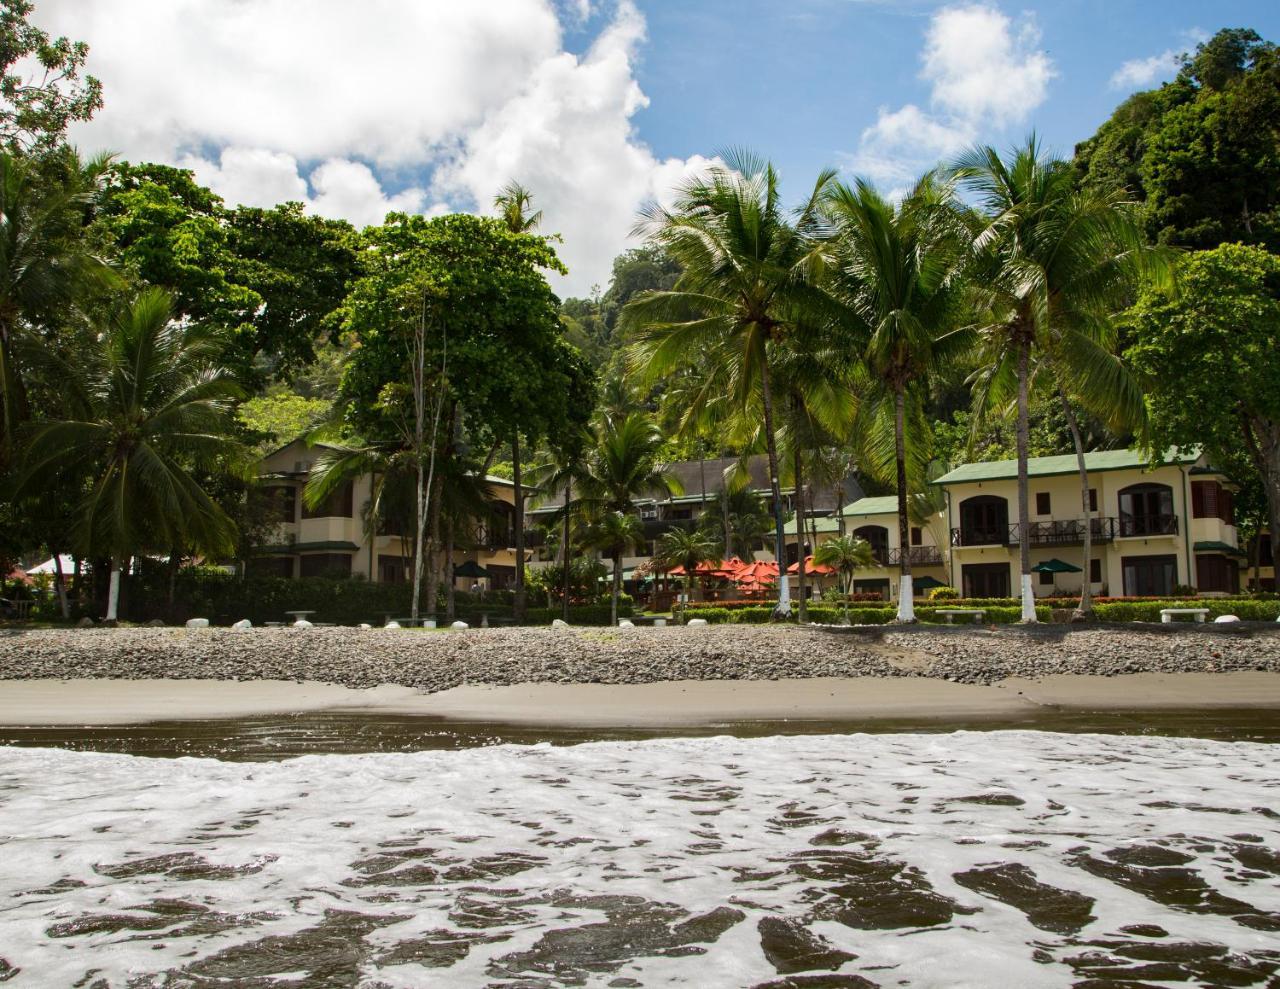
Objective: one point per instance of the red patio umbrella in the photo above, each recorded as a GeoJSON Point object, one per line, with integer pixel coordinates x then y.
{"type": "Point", "coordinates": [810, 567]}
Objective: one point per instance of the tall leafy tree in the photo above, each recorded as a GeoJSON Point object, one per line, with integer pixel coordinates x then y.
{"type": "Point", "coordinates": [615, 533]}
{"type": "Point", "coordinates": [148, 407]}
{"type": "Point", "coordinates": [898, 271]}
{"type": "Point", "coordinates": [47, 264]}
{"type": "Point", "coordinates": [745, 282]}
{"type": "Point", "coordinates": [42, 85]}
{"type": "Point", "coordinates": [1055, 265]}
{"type": "Point", "coordinates": [1206, 356]}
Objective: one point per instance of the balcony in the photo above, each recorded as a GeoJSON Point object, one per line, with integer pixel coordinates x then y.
{"type": "Point", "coordinates": [1148, 525]}
{"type": "Point", "coordinates": [918, 556]}
{"type": "Point", "coordinates": [1066, 532]}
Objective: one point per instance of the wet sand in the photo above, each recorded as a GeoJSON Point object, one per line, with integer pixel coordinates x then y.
{"type": "Point", "coordinates": [670, 703]}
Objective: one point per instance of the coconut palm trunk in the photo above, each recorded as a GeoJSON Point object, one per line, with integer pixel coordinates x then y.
{"type": "Point", "coordinates": [60, 583]}
{"type": "Point", "coordinates": [906, 591]}
{"type": "Point", "coordinates": [518, 602]}
{"type": "Point", "coordinates": [1086, 585]}
{"type": "Point", "coordinates": [565, 550]}
{"type": "Point", "coordinates": [451, 602]}
{"type": "Point", "coordinates": [113, 591]}
{"type": "Point", "coordinates": [1024, 532]}
{"type": "Point", "coordinates": [801, 583]}
{"type": "Point", "coordinates": [783, 608]}
{"type": "Point", "coordinates": [617, 588]}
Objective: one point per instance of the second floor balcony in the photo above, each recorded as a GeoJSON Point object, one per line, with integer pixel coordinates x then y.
{"type": "Point", "coordinates": [1066, 532]}
{"type": "Point", "coordinates": [919, 556]}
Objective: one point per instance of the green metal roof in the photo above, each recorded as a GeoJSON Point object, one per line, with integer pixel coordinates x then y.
{"type": "Point", "coordinates": [1101, 460]}
{"type": "Point", "coordinates": [1215, 546]}
{"type": "Point", "coordinates": [320, 546]}
{"type": "Point", "coordinates": [886, 505]}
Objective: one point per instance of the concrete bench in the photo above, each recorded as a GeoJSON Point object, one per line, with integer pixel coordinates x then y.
{"type": "Point", "coordinates": [951, 613]}
{"type": "Point", "coordinates": [1166, 614]}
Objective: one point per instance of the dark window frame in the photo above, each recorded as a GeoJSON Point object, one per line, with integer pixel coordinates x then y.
{"type": "Point", "coordinates": [1044, 503]}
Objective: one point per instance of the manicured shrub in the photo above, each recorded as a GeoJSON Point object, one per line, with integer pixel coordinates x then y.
{"type": "Point", "coordinates": [714, 616]}
{"type": "Point", "coordinates": [944, 594]}
{"type": "Point", "coordinates": [1149, 611]}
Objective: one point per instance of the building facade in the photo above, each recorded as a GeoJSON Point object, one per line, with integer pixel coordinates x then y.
{"type": "Point", "coordinates": [334, 539]}
{"type": "Point", "coordinates": [1154, 528]}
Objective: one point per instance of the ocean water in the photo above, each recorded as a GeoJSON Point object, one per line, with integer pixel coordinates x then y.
{"type": "Point", "coordinates": [984, 859]}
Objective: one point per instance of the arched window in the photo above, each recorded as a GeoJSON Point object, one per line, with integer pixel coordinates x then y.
{"type": "Point", "coordinates": [1147, 510]}
{"type": "Point", "coordinates": [984, 520]}
{"type": "Point", "coordinates": [878, 537]}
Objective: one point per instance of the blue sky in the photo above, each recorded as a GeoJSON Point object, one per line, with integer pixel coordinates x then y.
{"type": "Point", "coordinates": [801, 81]}
{"type": "Point", "coordinates": [600, 105]}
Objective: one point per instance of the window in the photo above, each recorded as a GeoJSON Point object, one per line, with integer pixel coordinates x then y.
{"type": "Point", "coordinates": [1095, 571]}
{"type": "Point", "coordinates": [1210, 500]}
{"type": "Point", "coordinates": [326, 565]}
{"type": "Point", "coordinates": [984, 520]}
{"type": "Point", "coordinates": [878, 537]}
{"type": "Point", "coordinates": [1093, 499]}
{"type": "Point", "coordinates": [337, 506]}
{"type": "Point", "coordinates": [917, 537]}
{"type": "Point", "coordinates": [394, 569]}
{"type": "Point", "coordinates": [271, 566]}
{"type": "Point", "coordinates": [985, 580]}
{"type": "Point", "coordinates": [1217, 573]}
{"type": "Point", "coordinates": [1227, 507]}
{"type": "Point", "coordinates": [1042, 503]}
{"type": "Point", "coordinates": [1149, 576]}
{"type": "Point", "coordinates": [1046, 578]}
{"type": "Point", "coordinates": [1147, 510]}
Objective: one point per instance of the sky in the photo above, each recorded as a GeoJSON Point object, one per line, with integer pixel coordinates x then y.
{"type": "Point", "coordinates": [598, 106]}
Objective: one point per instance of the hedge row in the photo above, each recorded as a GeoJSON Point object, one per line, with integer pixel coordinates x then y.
{"type": "Point", "coordinates": [1149, 611]}
{"type": "Point", "coordinates": [224, 599]}
{"type": "Point", "coordinates": [828, 615]}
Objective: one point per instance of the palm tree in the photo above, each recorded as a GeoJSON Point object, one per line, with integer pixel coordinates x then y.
{"type": "Point", "coordinates": [735, 518]}
{"type": "Point", "coordinates": [46, 261]}
{"type": "Point", "coordinates": [150, 406]}
{"type": "Point", "coordinates": [622, 466]}
{"type": "Point", "coordinates": [897, 270]}
{"type": "Point", "coordinates": [745, 282]}
{"type": "Point", "coordinates": [515, 208]}
{"type": "Point", "coordinates": [615, 533]}
{"type": "Point", "coordinates": [927, 505]}
{"type": "Point", "coordinates": [687, 549]}
{"type": "Point", "coordinates": [847, 554]}
{"type": "Point", "coordinates": [1055, 264]}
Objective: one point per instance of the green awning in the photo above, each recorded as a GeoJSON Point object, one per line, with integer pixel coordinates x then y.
{"type": "Point", "coordinates": [926, 583]}
{"type": "Point", "coordinates": [1214, 546]}
{"type": "Point", "coordinates": [470, 569]}
{"type": "Point", "coordinates": [322, 546]}
{"type": "Point", "coordinates": [1056, 566]}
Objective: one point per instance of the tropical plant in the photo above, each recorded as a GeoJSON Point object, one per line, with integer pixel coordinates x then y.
{"type": "Point", "coordinates": [614, 533]}
{"type": "Point", "coordinates": [46, 263]}
{"type": "Point", "coordinates": [897, 271]}
{"type": "Point", "coordinates": [745, 282]}
{"type": "Point", "coordinates": [848, 555]}
{"type": "Point", "coordinates": [1055, 265]}
{"type": "Point", "coordinates": [620, 467]}
{"type": "Point", "coordinates": [688, 549]}
{"type": "Point", "coordinates": [736, 518]}
{"type": "Point", "coordinates": [148, 405]}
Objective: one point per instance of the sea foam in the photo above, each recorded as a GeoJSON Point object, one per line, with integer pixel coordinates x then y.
{"type": "Point", "coordinates": [968, 859]}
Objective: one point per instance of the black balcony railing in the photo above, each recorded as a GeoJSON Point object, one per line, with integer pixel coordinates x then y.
{"type": "Point", "coordinates": [1148, 525]}
{"type": "Point", "coordinates": [1065, 532]}
{"type": "Point", "coordinates": [921, 556]}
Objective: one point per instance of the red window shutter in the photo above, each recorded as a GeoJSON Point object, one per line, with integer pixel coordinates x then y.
{"type": "Point", "coordinates": [1197, 498]}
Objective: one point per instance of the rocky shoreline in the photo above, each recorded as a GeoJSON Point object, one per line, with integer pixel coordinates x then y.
{"type": "Point", "coordinates": [437, 660]}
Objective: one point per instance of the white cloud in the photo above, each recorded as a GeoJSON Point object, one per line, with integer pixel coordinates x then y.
{"type": "Point", "coordinates": [1140, 72]}
{"type": "Point", "coordinates": [359, 112]}
{"type": "Point", "coordinates": [983, 66]}
{"type": "Point", "coordinates": [986, 73]}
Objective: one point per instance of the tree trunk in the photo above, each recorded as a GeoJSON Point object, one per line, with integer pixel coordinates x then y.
{"type": "Point", "coordinates": [617, 588]}
{"type": "Point", "coordinates": [113, 591]}
{"type": "Point", "coordinates": [906, 590]}
{"type": "Point", "coordinates": [801, 584]}
{"type": "Point", "coordinates": [1086, 586]}
{"type": "Point", "coordinates": [566, 549]}
{"type": "Point", "coordinates": [60, 586]}
{"type": "Point", "coordinates": [518, 604]}
{"type": "Point", "coordinates": [173, 581]}
{"type": "Point", "coordinates": [434, 544]}
{"type": "Point", "coordinates": [728, 526]}
{"type": "Point", "coordinates": [783, 608]}
{"type": "Point", "coordinates": [451, 604]}
{"type": "Point", "coordinates": [1024, 534]}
